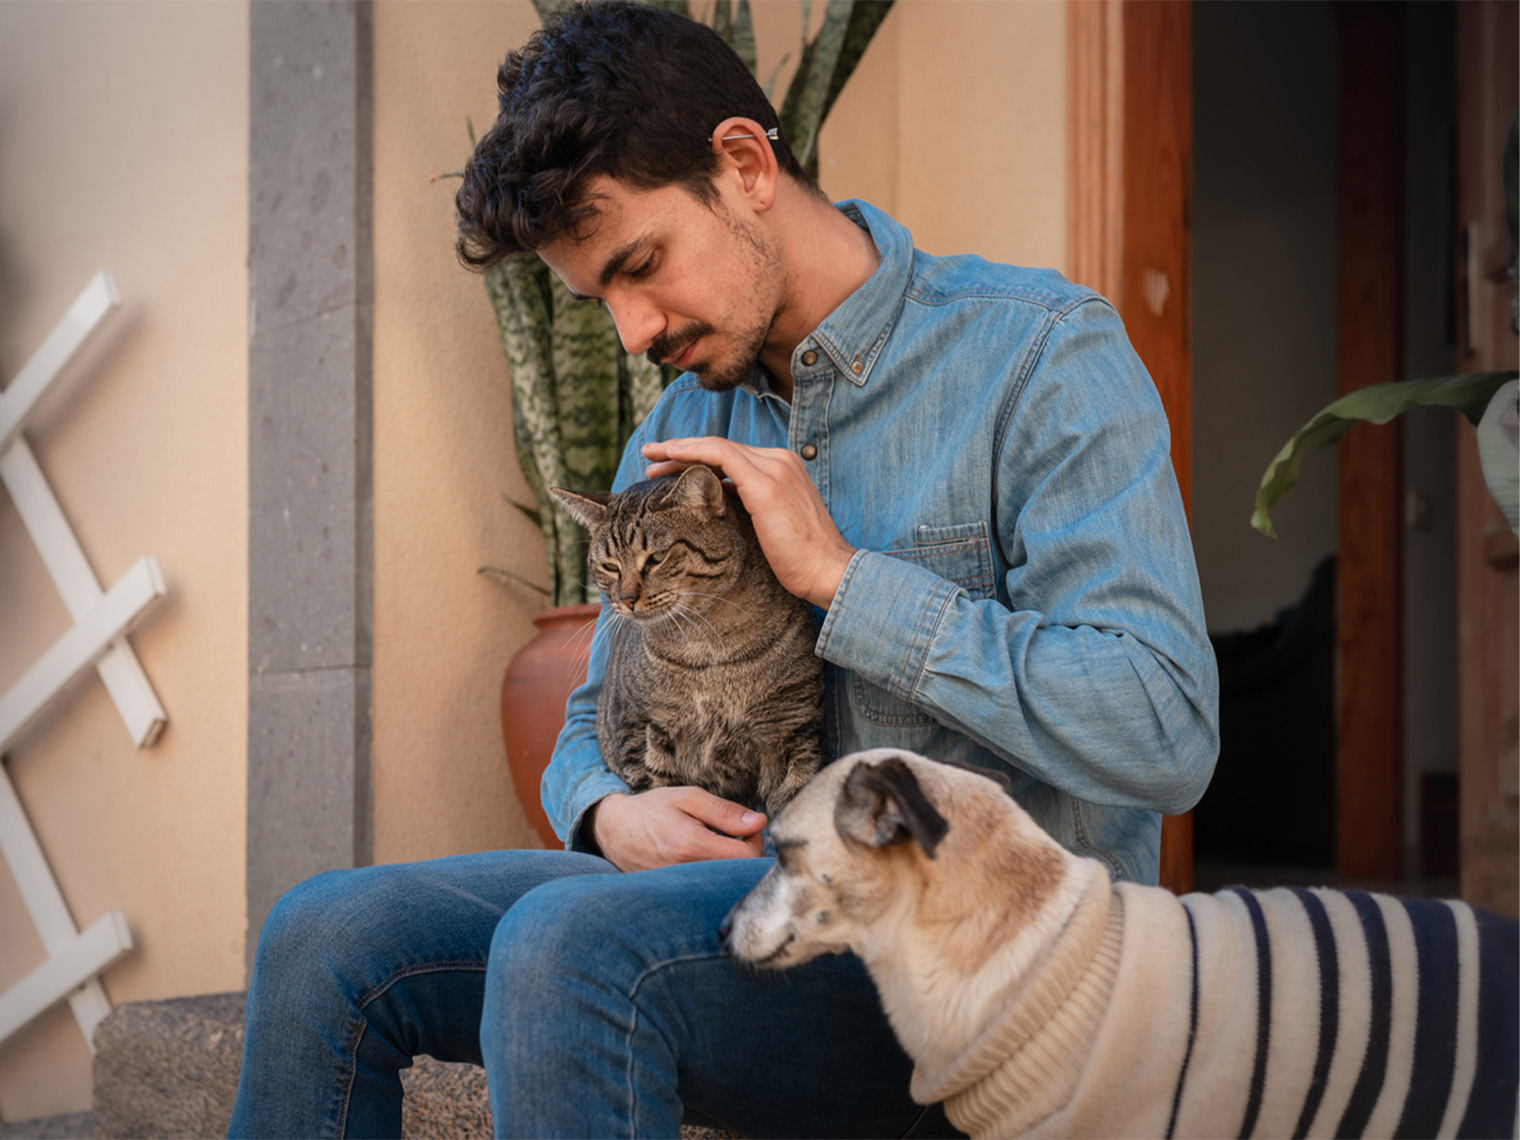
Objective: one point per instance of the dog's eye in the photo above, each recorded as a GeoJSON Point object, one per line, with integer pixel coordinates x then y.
{"type": "Point", "coordinates": [786, 853]}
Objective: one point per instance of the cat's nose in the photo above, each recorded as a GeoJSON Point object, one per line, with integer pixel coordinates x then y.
{"type": "Point", "coordinates": [629, 593]}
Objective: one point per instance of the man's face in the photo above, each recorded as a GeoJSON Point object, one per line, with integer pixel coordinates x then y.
{"type": "Point", "coordinates": [687, 284]}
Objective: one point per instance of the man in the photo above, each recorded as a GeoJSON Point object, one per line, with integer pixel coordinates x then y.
{"type": "Point", "coordinates": [962, 465]}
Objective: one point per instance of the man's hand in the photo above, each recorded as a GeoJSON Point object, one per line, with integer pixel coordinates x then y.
{"type": "Point", "coordinates": [674, 825]}
{"type": "Point", "coordinates": [800, 540]}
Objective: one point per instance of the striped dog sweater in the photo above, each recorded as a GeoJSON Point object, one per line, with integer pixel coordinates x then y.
{"type": "Point", "coordinates": [1278, 1013]}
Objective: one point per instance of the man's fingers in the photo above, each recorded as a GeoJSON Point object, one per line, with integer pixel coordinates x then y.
{"type": "Point", "coordinates": [722, 815]}
{"type": "Point", "coordinates": [674, 825]}
{"type": "Point", "coordinates": [736, 461]}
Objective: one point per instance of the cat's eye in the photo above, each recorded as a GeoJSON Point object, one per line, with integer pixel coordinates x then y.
{"type": "Point", "coordinates": [610, 567]}
{"type": "Point", "coordinates": [655, 557]}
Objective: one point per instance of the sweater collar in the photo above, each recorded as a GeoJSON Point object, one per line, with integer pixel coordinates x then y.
{"type": "Point", "coordinates": [1027, 1062]}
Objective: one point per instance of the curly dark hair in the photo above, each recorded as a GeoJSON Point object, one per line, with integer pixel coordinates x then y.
{"type": "Point", "coordinates": [628, 90]}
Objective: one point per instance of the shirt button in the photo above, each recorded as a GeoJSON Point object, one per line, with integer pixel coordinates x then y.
{"type": "Point", "coordinates": [856, 367]}
{"type": "Point", "coordinates": [810, 358]}
{"type": "Point", "coordinates": [809, 451]}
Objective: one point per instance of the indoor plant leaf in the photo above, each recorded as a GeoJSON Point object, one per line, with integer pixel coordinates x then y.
{"type": "Point", "coordinates": [1376, 403]}
{"type": "Point", "coordinates": [1498, 446]}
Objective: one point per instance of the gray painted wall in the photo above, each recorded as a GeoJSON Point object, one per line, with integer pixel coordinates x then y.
{"type": "Point", "coordinates": [310, 525]}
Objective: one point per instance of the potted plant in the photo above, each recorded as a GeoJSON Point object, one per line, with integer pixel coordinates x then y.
{"type": "Point", "coordinates": [577, 396]}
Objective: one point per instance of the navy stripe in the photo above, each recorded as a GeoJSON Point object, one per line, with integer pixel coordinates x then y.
{"type": "Point", "coordinates": [1369, 1082]}
{"type": "Point", "coordinates": [1329, 1006]}
{"type": "Point", "coordinates": [1435, 1026]}
{"type": "Point", "coordinates": [1491, 1107]}
{"type": "Point", "coordinates": [1187, 1056]}
{"type": "Point", "coordinates": [1263, 1010]}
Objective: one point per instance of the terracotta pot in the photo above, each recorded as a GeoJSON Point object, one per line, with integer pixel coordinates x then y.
{"type": "Point", "coordinates": [537, 683]}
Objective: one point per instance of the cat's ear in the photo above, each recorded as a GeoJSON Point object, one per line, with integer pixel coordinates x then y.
{"type": "Point", "coordinates": [588, 507]}
{"type": "Point", "coordinates": [699, 486]}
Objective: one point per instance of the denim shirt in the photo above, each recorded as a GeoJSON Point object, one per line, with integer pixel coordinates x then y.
{"type": "Point", "coordinates": [1024, 595]}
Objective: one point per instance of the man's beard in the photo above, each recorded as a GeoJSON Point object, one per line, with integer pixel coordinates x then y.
{"type": "Point", "coordinates": [717, 375]}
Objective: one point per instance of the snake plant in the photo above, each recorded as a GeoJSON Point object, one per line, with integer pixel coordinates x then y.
{"type": "Point", "coordinates": [576, 395]}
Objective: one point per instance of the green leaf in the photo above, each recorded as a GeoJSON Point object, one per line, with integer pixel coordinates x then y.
{"type": "Point", "coordinates": [1376, 403]}
{"type": "Point", "coordinates": [586, 353]}
{"type": "Point", "coordinates": [865, 17]}
{"type": "Point", "coordinates": [547, 8]}
{"type": "Point", "coordinates": [1498, 448]}
{"type": "Point", "coordinates": [500, 574]}
{"type": "Point", "coordinates": [826, 64]}
{"type": "Point", "coordinates": [802, 109]}
{"type": "Point", "coordinates": [743, 36]}
{"type": "Point", "coordinates": [646, 380]}
{"type": "Point", "coordinates": [723, 21]}
{"type": "Point", "coordinates": [519, 296]}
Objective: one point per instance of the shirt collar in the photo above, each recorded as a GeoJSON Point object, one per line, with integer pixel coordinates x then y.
{"type": "Point", "coordinates": [854, 334]}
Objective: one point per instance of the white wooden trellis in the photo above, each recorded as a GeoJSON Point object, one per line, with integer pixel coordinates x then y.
{"type": "Point", "coordinates": [97, 638]}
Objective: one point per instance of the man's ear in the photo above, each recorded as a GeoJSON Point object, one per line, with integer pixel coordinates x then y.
{"type": "Point", "coordinates": [588, 507]}
{"type": "Point", "coordinates": [882, 804]}
{"type": "Point", "coordinates": [744, 149]}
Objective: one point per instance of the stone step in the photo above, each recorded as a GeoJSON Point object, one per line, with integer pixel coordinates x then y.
{"type": "Point", "coordinates": [169, 1069]}
{"type": "Point", "coordinates": [71, 1126]}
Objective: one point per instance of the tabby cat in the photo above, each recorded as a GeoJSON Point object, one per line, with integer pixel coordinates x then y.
{"type": "Point", "coordinates": [712, 680]}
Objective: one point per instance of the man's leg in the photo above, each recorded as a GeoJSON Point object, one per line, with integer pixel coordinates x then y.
{"type": "Point", "coordinates": [609, 1005]}
{"type": "Point", "coordinates": [358, 971]}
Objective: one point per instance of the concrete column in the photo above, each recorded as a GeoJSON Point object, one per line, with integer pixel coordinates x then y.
{"type": "Point", "coordinates": [310, 486]}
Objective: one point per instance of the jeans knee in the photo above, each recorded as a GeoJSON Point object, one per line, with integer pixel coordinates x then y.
{"type": "Point", "coordinates": [538, 936]}
{"type": "Point", "coordinates": [313, 922]}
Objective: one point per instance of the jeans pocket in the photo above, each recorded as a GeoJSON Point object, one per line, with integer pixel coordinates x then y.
{"type": "Point", "coordinates": [962, 554]}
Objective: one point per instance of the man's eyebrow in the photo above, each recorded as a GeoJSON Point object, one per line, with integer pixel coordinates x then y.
{"type": "Point", "coordinates": [619, 258]}
{"type": "Point", "coordinates": [614, 263]}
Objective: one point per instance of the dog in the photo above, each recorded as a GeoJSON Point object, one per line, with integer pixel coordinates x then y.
{"type": "Point", "coordinates": [1036, 998]}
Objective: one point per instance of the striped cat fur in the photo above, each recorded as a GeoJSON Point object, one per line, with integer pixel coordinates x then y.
{"type": "Point", "coordinates": [1038, 999]}
{"type": "Point", "coordinates": [711, 678]}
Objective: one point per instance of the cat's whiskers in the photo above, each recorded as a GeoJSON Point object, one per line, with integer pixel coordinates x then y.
{"type": "Point", "coordinates": [678, 611]}
{"type": "Point", "coordinates": [583, 642]}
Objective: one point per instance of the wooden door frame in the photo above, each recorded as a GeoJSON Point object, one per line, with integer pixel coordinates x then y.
{"type": "Point", "coordinates": [1130, 91]}
{"type": "Point", "coordinates": [1488, 557]}
{"type": "Point", "coordinates": [1369, 544]}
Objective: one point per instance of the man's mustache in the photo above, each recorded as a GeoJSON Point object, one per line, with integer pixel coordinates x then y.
{"type": "Point", "coordinates": [669, 345]}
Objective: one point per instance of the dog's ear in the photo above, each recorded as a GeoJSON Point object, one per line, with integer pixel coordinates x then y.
{"type": "Point", "coordinates": [882, 804]}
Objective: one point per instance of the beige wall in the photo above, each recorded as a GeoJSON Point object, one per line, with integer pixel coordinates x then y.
{"type": "Point", "coordinates": [123, 144]}
{"type": "Point", "coordinates": [443, 450]}
{"type": "Point", "coordinates": [955, 123]}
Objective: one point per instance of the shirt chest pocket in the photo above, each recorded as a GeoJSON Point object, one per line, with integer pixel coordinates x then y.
{"type": "Point", "coordinates": [961, 554]}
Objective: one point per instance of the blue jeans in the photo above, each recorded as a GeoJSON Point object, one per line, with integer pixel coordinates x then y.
{"type": "Point", "coordinates": [600, 1004]}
